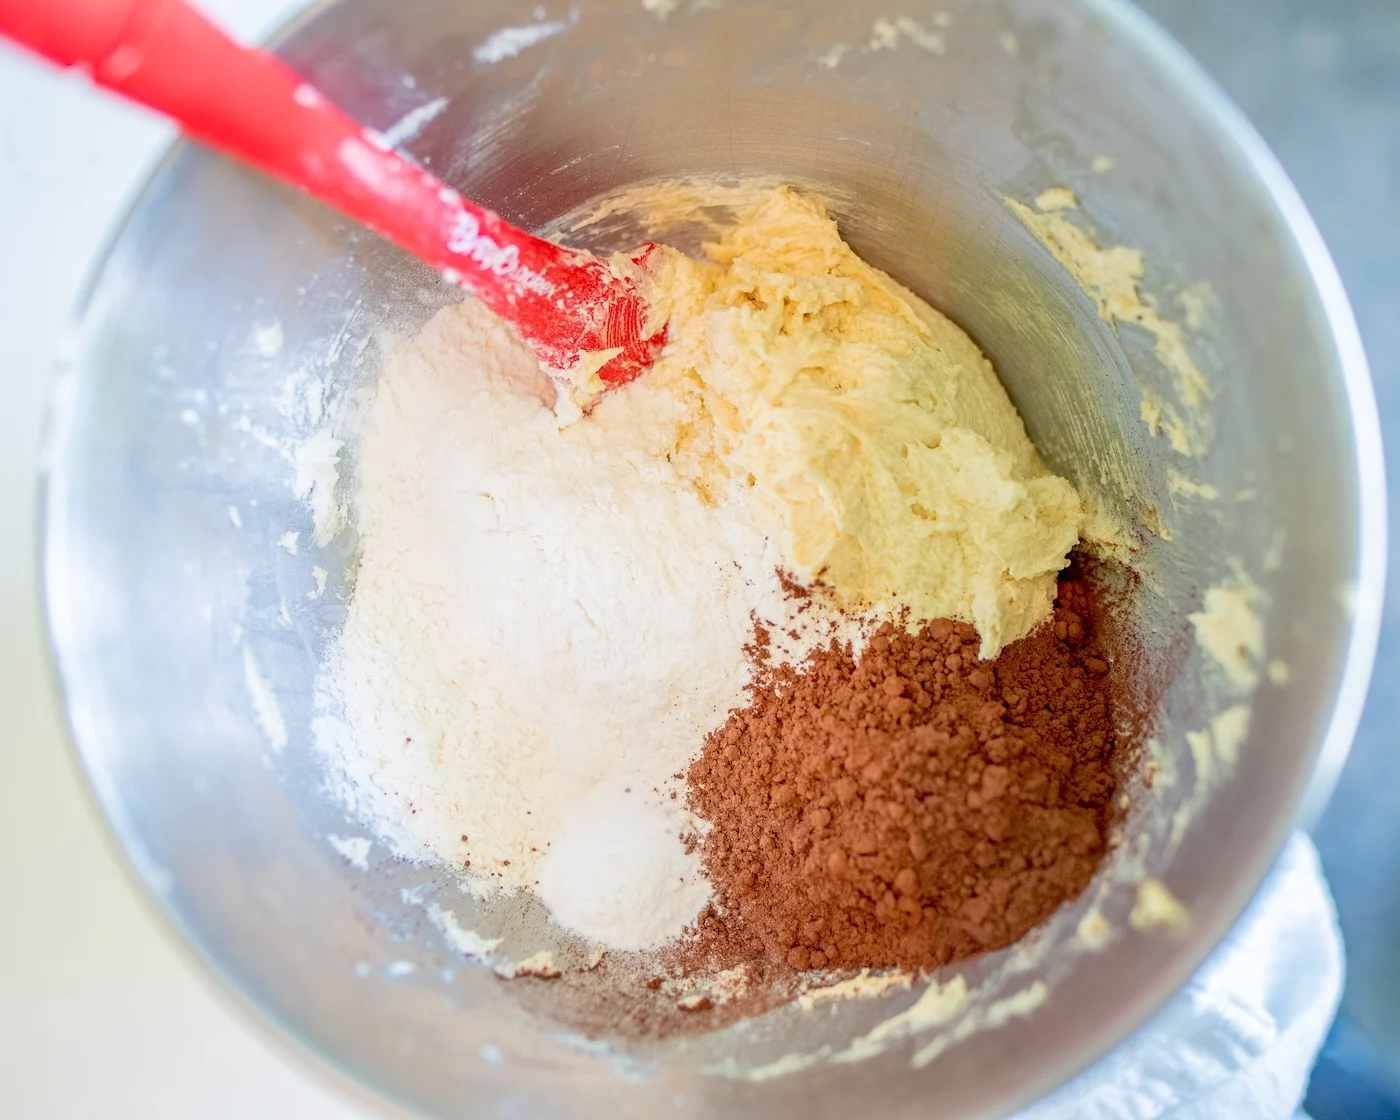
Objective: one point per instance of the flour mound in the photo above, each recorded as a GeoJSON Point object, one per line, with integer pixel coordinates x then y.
{"type": "Point", "coordinates": [539, 613]}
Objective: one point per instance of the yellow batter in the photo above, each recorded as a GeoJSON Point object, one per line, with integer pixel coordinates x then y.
{"type": "Point", "coordinates": [892, 463]}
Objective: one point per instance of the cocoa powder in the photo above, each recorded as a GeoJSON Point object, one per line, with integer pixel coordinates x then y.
{"type": "Point", "coordinates": [910, 807]}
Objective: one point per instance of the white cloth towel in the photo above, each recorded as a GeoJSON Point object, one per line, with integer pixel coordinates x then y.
{"type": "Point", "coordinates": [1238, 1042]}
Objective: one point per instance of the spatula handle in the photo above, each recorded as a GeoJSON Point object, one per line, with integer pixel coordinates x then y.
{"type": "Point", "coordinates": [248, 103]}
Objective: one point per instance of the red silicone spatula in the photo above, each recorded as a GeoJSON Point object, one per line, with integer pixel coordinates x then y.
{"type": "Point", "coordinates": [567, 306]}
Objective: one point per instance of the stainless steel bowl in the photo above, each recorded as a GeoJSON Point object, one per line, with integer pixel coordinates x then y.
{"type": "Point", "coordinates": [169, 485]}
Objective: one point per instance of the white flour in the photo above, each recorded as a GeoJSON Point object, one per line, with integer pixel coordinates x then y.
{"type": "Point", "coordinates": [541, 617]}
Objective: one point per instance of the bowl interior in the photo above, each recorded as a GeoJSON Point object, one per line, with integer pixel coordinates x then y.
{"type": "Point", "coordinates": [233, 319]}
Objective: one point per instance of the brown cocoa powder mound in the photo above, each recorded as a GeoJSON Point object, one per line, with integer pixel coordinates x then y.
{"type": "Point", "coordinates": [910, 808]}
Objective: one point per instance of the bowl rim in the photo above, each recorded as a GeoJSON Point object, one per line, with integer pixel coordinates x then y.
{"type": "Point", "coordinates": [1233, 129]}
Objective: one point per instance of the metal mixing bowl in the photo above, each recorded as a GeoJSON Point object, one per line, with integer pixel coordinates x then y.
{"type": "Point", "coordinates": [169, 484]}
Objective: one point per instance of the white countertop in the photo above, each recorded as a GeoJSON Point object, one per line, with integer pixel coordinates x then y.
{"type": "Point", "coordinates": [101, 1014]}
